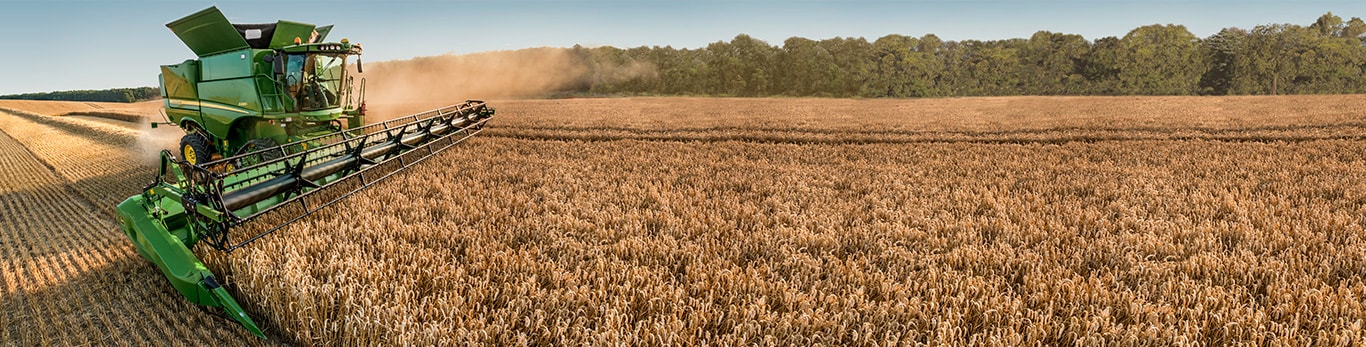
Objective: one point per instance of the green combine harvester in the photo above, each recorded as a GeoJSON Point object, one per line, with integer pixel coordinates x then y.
{"type": "Point", "coordinates": [273, 133]}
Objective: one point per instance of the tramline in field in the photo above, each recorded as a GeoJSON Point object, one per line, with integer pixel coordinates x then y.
{"type": "Point", "coordinates": [274, 133]}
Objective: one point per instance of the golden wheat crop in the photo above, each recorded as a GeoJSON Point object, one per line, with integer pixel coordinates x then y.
{"type": "Point", "coordinates": [992, 119]}
{"type": "Point", "coordinates": [985, 221]}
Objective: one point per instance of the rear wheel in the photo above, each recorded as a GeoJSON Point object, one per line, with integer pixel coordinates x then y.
{"type": "Point", "coordinates": [195, 148]}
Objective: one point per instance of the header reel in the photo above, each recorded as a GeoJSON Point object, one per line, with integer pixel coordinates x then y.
{"type": "Point", "coordinates": [231, 202]}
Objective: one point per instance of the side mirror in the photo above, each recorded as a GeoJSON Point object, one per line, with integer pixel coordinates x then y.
{"type": "Point", "coordinates": [360, 68]}
{"type": "Point", "coordinates": [278, 63]}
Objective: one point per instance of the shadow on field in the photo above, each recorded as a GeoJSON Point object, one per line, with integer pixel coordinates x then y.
{"type": "Point", "coordinates": [69, 276]}
{"type": "Point", "coordinates": [125, 301]}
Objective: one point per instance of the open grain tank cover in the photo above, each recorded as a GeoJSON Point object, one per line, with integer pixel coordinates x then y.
{"type": "Point", "coordinates": [208, 32]}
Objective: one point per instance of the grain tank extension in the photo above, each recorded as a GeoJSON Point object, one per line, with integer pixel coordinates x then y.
{"type": "Point", "coordinates": [275, 130]}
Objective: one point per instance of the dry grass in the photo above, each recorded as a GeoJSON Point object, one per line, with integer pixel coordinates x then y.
{"type": "Point", "coordinates": [994, 221]}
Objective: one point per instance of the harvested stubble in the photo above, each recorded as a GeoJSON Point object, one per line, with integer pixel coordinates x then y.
{"type": "Point", "coordinates": [99, 160]}
{"type": "Point", "coordinates": [513, 239]}
{"type": "Point", "coordinates": [111, 115]}
{"type": "Point", "coordinates": [68, 276]}
{"type": "Point", "coordinates": [60, 108]}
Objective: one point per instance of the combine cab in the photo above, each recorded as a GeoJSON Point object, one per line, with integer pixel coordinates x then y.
{"type": "Point", "coordinates": [257, 86]}
{"type": "Point", "coordinates": [273, 134]}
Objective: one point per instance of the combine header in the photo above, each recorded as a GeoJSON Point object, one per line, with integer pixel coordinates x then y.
{"type": "Point", "coordinates": [273, 134]}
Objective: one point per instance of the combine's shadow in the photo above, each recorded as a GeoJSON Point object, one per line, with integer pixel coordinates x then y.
{"type": "Point", "coordinates": [80, 281]}
{"type": "Point", "coordinates": [125, 301]}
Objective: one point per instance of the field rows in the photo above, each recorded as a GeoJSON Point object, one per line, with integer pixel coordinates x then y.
{"type": "Point", "coordinates": [989, 221]}
{"type": "Point", "coordinates": [70, 276]}
{"type": "Point", "coordinates": [1053, 136]}
{"type": "Point", "coordinates": [101, 161]}
{"type": "Point", "coordinates": [61, 108]}
{"type": "Point", "coordinates": [1011, 120]}
{"type": "Point", "coordinates": [954, 115]}
{"type": "Point", "coordinates": [516, 239]}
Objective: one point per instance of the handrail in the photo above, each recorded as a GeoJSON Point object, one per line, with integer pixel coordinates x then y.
{"type": "Point", "coordinates": [281, 106]}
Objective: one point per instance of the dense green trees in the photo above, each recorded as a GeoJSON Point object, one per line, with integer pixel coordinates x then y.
{"type": "Point", "coordinates": [107, 95]}
{"type": "Point", "coordinates": [1328, 56]}
{"type": "Point", "coordinates": [1159, 60]}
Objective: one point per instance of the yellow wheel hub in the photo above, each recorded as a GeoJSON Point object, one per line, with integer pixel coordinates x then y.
{"type": "Point", "coordinates": [189, 155]}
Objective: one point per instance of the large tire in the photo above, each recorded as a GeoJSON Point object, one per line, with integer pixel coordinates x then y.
{"type": "Point", "coordinates": [195, 148]}
{"type": "Point", "coordinates": [254, 145]}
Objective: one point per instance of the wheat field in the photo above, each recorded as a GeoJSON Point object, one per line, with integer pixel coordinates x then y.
{"type": "Point", "coordinates": [1061, 221]}
{"type": "Point", "coordinates": [696, 221]}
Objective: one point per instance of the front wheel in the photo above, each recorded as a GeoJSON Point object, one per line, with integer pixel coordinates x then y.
{"type": "Point", "coordinates": [263, 149]}
{"type": "Point", "coordinates": [195, 148]}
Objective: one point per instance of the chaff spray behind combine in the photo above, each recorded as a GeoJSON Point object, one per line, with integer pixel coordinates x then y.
{"type": "Point", "coordinates": [254, 87]}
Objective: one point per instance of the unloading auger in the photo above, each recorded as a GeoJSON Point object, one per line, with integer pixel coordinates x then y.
{"type": "Point", "coordinates": [273, 134]}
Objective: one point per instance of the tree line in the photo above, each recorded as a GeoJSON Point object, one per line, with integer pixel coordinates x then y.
{"type": "Point", "coordinates": [1327, 56]}
{"type": "Point", "coordinates": [105, 95]}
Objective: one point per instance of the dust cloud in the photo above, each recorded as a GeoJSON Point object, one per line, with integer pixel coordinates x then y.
{"type": "Point", "coordinates": [397, 88]}
{"type": "Point", "coordinates": [401, 87]}
{"type": "Point", "coordinates": [150, 142]}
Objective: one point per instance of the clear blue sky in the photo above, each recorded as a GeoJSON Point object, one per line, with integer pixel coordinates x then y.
{"type": "Point", "coordinates": [65, 44]}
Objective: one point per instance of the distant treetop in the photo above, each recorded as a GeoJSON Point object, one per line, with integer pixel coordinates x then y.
{"type": "Point", "coordinates": [106, 95]}
{"type": "Point", "coordinates": [1326, 57]}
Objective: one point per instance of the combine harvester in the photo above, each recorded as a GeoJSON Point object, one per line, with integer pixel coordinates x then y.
{"type": "Point", "coordinates": [273, 134]}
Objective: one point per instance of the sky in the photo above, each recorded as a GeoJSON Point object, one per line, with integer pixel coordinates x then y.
{"type": "Point", "coordinates": [85, 44]}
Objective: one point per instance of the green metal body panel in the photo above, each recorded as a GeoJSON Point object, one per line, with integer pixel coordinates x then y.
{"type": "Point", "coordinates": [189, 204]}
{"type": "Point", "coordinates": [162, 242]}
{"type": "Point", "coordinates": [228, 95]}
{"type": "Point", "coordinates": [258, 128]}
{"type": "Point", "coordinates": [286, 31]}
{"type": "Point", "coordinates": [234, 93]}
{"type": "Point", "coordinates": [225, 101]}
{"type": "Point", "coordinates": [234, 64]}
{"type": "Point", "coordinates": [180, 91]}
{"type": "Point", "coordinates": [207, 32]}
{"type": "Point", "coordinates": [179, 81]}
{"type": "Point", "coordinates": [234, 86]}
